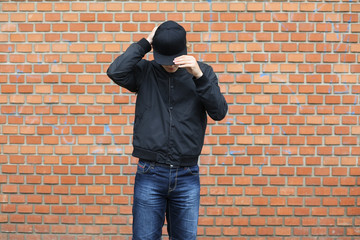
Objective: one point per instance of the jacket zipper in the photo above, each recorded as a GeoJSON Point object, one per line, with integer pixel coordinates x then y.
{"type": "Point", "coordinates": [170, 120]}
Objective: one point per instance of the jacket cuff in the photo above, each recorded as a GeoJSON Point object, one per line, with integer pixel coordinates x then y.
{"type": "Point", "coordinates": [202, 81]}
{"type": "Point", "coordinates": [145, 45]}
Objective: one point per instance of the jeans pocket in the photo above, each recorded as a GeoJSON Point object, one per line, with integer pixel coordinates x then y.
{"type": "Point", "coordinates": [144, 167]}
{"type": "Point", "coordinates": [194, 170]}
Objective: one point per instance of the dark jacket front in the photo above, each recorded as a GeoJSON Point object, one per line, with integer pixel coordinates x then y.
{"type": "Point", "coordinates": [170, 113]}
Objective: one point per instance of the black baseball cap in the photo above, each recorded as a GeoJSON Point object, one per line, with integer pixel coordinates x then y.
{"type": "Point", "coordinates": [169, 42]}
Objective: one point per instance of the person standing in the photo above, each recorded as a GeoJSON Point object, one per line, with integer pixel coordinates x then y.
{"type": "Point", "coordinates": [175, 94]}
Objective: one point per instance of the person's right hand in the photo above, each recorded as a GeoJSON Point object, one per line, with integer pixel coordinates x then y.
{"type": "Point", "coordinates": [151, 35]}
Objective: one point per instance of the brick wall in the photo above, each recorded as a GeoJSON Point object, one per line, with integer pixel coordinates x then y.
{"type": "Point", "coordinates": [284, 164]}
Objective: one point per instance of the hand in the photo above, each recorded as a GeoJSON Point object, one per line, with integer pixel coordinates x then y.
{"type": "Point", "coordinates": [151, 35]}
{"type": "Point", "coordinates": [190, 64]}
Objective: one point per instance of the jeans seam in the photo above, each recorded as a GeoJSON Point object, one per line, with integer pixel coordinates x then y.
{"type": "Point", "coordinates": [170, 225]}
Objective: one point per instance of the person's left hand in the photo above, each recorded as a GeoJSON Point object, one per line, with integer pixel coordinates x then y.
{"type": "Point", "coordinates": [190, 64]}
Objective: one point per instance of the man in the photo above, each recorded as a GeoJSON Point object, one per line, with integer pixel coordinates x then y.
{"type": "Point", "coordinates": [174, 95]}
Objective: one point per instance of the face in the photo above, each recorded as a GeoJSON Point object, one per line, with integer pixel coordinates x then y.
{"type": "Point", "coordinates": [170, 68]}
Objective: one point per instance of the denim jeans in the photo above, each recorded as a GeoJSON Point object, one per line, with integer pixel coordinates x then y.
{"type": "Point", "coordinates": [171, 192]}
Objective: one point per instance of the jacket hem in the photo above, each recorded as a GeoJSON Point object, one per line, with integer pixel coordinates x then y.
{"type": "Point", "coordinates": [183, 161]}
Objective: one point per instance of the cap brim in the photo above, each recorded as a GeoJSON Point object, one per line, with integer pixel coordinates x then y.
{"type": "Point", "coordinates": [167, 60]}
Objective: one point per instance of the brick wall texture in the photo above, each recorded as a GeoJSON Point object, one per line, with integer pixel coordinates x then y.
{"type": "Point", "coordinates": [283, 164]}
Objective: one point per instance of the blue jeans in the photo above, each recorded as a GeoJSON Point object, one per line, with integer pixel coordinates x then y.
{"type": "Point", "coordinates": [171, 192]}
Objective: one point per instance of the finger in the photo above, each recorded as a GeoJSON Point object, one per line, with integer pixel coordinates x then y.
{"type": "Point", "coordinates": [184, 65]}
{"type": "Point", "coordinates": [183, 60]}
{"type": "Point", "coordinates": [179, 62]}
{"type": "Point", "coordinates": [180, 57]}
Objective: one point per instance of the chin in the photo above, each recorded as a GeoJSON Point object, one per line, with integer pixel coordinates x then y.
{"type": "Point", "coordinates": [170, 69]}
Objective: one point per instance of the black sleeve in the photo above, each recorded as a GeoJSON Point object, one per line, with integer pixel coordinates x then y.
{"type": "Point", "coordinates": [209, 92]}
{"type": "Point", "coordinates": [127, 68]}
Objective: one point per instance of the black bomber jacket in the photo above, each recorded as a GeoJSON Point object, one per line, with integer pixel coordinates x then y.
{"type": "Point", "coordinates": [171, 108]}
